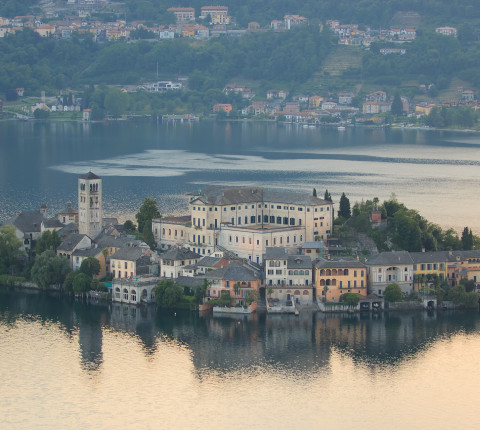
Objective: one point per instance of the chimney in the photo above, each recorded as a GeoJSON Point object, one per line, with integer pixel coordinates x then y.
{"type": "Point", "coordinates": [43, 209]}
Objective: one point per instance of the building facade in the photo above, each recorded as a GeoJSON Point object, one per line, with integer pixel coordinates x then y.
{"type": "Point", "coordinates": [246, 221]}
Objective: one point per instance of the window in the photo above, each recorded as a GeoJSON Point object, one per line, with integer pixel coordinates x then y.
{"type": "Point", "coordinates": [285, 220]}
{"type": "Point", "coordinates": [194, 208]}
{"type": "Point", "coordinates": [252, 220]}
{"type": "Point", "coordinates": [279, 219]}
{"type": "Point", "coordinates": [239, 220]}
{"type": "Point", "coordinates": [292, 208]}
{"type": "Point", "coordinates": [355, 273]}
{"type": "Point", "coordinates": [126, 265]}
{"type": "Point", "coordinates": [300, 209]}
{"type": "Point", "coordinates": [265, 218]}
{"type": "Point", "coordinates": [272, 219]}
{"type": "Point", "coordinates": [246, 220]}
{"type": "Point", "coordinates": [232, 208]}
{"type": "Point", "coordinates": [278, 207]}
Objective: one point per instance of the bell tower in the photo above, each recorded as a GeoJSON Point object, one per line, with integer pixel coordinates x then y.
{"type": "Point", "coordinates": [90, 212]}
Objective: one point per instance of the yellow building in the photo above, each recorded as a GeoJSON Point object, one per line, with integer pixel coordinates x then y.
{"type": "Point", "coordinates": [429, 263]}
{"type": "Point", "coordinates": [79, 255]}
{"type": "Point", "coordinates": [335, 277]}
{"type": "Point", "coordinates": [126, 262]}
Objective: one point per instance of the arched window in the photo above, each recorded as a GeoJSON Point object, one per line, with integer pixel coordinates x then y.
{"type": "Point", "coordinates": [295, 272]}
{"type": "Point", "coordinates": [329, 272]}
{"type": "Point", "coordinates": [125, 294]}
{"type": "Point", "coordinates": [133, 295]}
{"type": "Point", "coordinates": [305, 292]}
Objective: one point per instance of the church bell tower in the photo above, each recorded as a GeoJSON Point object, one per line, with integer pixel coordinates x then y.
{"type": "Point", "coordinates": [90, 212]}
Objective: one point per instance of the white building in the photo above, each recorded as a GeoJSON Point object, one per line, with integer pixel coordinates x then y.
{"type": "Point", "coordinates": [390, 267]}
{"type": "Point", "coordinates": [246, 221]}
{"type": "Point", "coordinates": [90, 205]}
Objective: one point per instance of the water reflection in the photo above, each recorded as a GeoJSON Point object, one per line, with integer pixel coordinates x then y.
{"type": "Point", "coordinates": [230, 343]}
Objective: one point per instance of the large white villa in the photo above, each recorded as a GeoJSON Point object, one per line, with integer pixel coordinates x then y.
{"type": "Point", "coordinates": [246, 221]}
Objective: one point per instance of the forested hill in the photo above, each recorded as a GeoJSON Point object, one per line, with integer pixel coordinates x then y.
{"type": "Point", "coordinates": [34, 63]}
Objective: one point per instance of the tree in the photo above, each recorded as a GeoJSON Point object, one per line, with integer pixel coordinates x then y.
{"type": "Point", "coordinates": [350, 299]}
{"type": "Point", "coordinates": [147, 235]}
{"type": "Point", "coordinates": [116, 102]}
{"type": "Point", "coordinates": [49, 269]}
{"type": "Point", "coordinates": [147, 212]}
{"type": "Point", "coordinates": [314, 192]}
{"type": "Point", "coordinates": [327, 196]}
{"type": "Point", "coordinates": [252, 296]}
{"type": "Point", "coordinates": [236, 288]}
{"type": "Point", "coordinates": [129, 227]}
{"type": "Point", "coordinates": [200, 291]}
{"type": "Point", "coordinates": [168, 294]}
{"type": "Point", "coordinates": [469, 284]}
{"type": "Point", "coordinates": [393, 293]}
{"type": "Point", "coordinates": [397, 105]}
{"type": "Point", "coordinates": [344, 207]}
{"type": "Point", "coordinates": [10, 250]}
{"type": "Point", "coordinates": [68, 283]}
{"type": "Point", "coordinates": [48, 240]}
{"type": "Point", "coordinates": [90, 266]}
{"type": "Point", "coordinates": [41, 114]}
{"type": "Point", "coordinates": [467, 239]}
{"type": "Point", "coordinates": [81, 283]}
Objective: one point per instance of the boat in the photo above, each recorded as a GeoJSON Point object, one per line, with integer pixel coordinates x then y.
{"type": "Point", "coordinates": [341, 128]}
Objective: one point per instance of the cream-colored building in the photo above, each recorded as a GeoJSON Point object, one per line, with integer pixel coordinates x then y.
{"type": "Point", "coordinates": [90, 204]}
{"type": "Point", "coordinates": [218, 14]}
{"type": "Point", "coordinates": [246, 221]}
{"type": "Point", "coordinates": [390, 267]}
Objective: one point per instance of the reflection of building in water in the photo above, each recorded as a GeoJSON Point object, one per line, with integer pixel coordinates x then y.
{"type": "Point", "coordinates": [135, 319]}
{"type": "Point", "coordinates": [90, 339]}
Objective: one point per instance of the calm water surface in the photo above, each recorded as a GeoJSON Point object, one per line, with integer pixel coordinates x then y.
{"type": "Point", "coordinates": [68, 365]}
{"type": "Point", "coordinates": [436, 172]}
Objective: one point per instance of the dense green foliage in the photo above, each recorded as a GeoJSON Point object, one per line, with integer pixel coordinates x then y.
{"type": "Point", "coordinates": [11, 8]}
{"type": "Point", "coordinates": [10, 250]}
{"type": "Point", "coordinates": [48, 240]}
{"type": "Point", "coordinates": [90, 267]}
{"type": "Point", "coordinates": [49, 269]}
{"type": "Point", "coordinates": [146, 213]}
{"type": "Point", "coordinates": [431, 58]}
{"type": "Point", "coordinates": [350, 299]}
{"type": "Point", "coordinates": [32, 62]}
{"type": "Point", "coordinates": [461, 116]}
{"type": "Point", "coordinates": [168, 294]}
{"type": "Point", "coordinates": [393, 293]}
{"type": "Point", "coordinates": [344, 210]}
{"type": "Point", "coordinates": [406, 229]}
{"type": "Point", "coordinates": [81, 283]}
{"type": "Point", "coordinates": [460, 296]}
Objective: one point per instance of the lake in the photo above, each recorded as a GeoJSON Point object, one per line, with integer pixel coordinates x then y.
{"type": "Point", "coordinates": [435, 172]}
{"type": "Point", "coordinates": [64, 364]}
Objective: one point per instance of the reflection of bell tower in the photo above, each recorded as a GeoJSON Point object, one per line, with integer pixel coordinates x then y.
{"type": "Point", "coordinates": [90, 205]}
